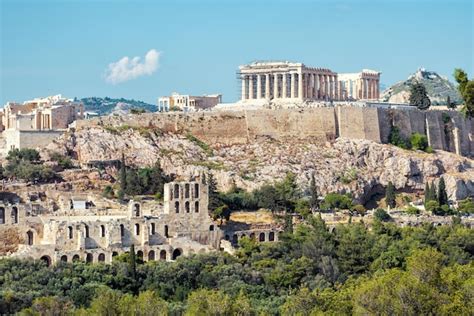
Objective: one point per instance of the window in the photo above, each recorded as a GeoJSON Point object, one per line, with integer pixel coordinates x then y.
{"type": "Point", "coordinates": [70, 232]}
{"type": "Point", "coordinates": [151, 255]}
{"type": "Point", "coordinates": [136, 209]}
{"type": "Point", "coordinates": [211, 228]}
{"type": "Point", "coordinates": [176, 191]}
{"type": "Point", "coordinates": [15, 215]}
{"type": "Point", "coordinates": [137, 229]}
{"type": "Point", "coordinates": [186, 191]}
{"type": "Point", "coordinates": [163, 255]}
{"type": "Point", "coordinates": [186, 206]}
{"type": "Point", "coordinates": [176, 206]}
{"type": "Point", "coordinates": [196, 190]}
{"type": "Point", "coordinates": [2, 215]}
{"type": "Point", "coordinates": [152, 228]}
{"type": "Point", "coordinates": [102, 231]}
{"type": "Point", "coordinates": [87, 231]}
{"type": "Point", "coordinates": [101, 257]}
{"type": "Point", "coordinates": [196, 207]}
{"type": "Point", "coordinates": [271, 236]}
{"type": "Point", "coordinates": [122, 230]}
{"type": "Point", "coordinates": [166, 231]}
{"type": "Point", "coordinates": [29, 237]}
{"type": "Point", "coordinates": [261, 237]}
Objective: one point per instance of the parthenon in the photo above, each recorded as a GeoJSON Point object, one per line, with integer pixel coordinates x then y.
{"type": "Point", "coordinates": [285, 80]}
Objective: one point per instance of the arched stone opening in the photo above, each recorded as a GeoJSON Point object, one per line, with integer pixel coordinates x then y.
{"type": "Point", "coordinates": [102, 231]}
{"type": "Point", "coordinates": [196, 207]}
{"type": "Point", "coordinates": [64, 258]}
{"type": "Point", "coordinates": [227, 237]}
{"type": "Point", "coordinates": [86, 229]}
{"type": "Point", "coordinates": [261, 237]}
{"type": "Point", "coordinates": [75, 258]}
{"type": "Point", "coordinates": [14, 215]}
{"type": "Point", "coordinates": [176, 207]}
{"type": "Point", "coordinates": [271, 236]}
{"type": "Point", "coordinates": [252, 235]}
{"type": "Point", "coordinates": [163, 255]}
{"type": "Point", "coordinates": [137, 229]}
{"type": "Point", "coordinates": [2, 215]}
{"type": "Point", "coordinates": [196, 190]}
{"type": "Point", "coordinates": [166, 231]}
{"type": "Point", "coordinates": [136, 209]}
{"type": "Point", "coordinates": [176, 253]}
{"type": "Point", "coordinates": [186, 191]}
{"type": "Point", "coordinates": [70, 232]}
{"type": "Point", "coordinates": [122, 230]}
{"type": "Point", "coordinates": [211, 228]}
{"type": "Point", "coordinates": [30, 238]}
{"type": "Point", "coordinates": [114, 254]}
{"type": "Point", "coordinates": [101, 257]}
{"type": "Point", "coordinates": [140, 255]}
{"type": "Point", "coordinates": [235, 238]}
{"type": "Point", "coordinates": [89, 258]}
{"type": "Point", "coordinates": [151, 255]}
{"type": "Point", "coordinates": [46, 259]}
{"type": "Point", "coordinates": [153, 228]}
{"type": "Point", "coordinates": [186, 206]}
{"type": "Point", "coordinates": [176, 191]}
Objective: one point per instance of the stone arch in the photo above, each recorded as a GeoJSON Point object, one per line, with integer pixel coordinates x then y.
{"type": "Point", "coordinates": [243, 235]}
{"type": "Point", "coordinates": [211, 228]}
{"type": "Point", "coordinates": [30, 239]}
{"type": "Point", "coordinates": [64, 258]}
{"type": "Point", "coordinates": [114, 254]}
{"type": "Point", "coordinates": [202, 250]}
{"type": "Point", "coordinates": [2, 215]}
{"type": "Point", "coordinates": [136, 209]}
{"type": "Point", "coordinates": [89, 258]}
{"type": "Point", "coordinates": [186, 191]}
{"type": "Point", "coordinates": [101, 257]}
{"type": "Point", "coordinates": [176, 207]}
{"type": "Point", "coordinates": [102, 231]}
{"type": "Point", "coordinates": [14, 215]}
{"type": "Point", "coordinates": [70, 232]}
{"type": "Point", "coordinates": [140, 255]}
{"type": "Point", "coordinates": [186, 206]}
{"type": "Point", "coordinates": [137, 229]}
{"type": "Point", "coordinates": [227, 237]}
{"type": "Point", "coordinates": [166, 231]}
{"type": "Point", "coordinates": [163, 255]}
{"type": "Point", "coordinates": [46, 259]}
{"type": "Point", "coordinates": [176, 253]}
{"type": "Point", "coordinates": [271, 236]}
{"type": "Point", "coordinates": [235, 238]}
{"type": "Point", "coordinates": [86, 231]}
{"type": "Point", "coordinates": [196, 207]}
{"type": "Point", "coordinates": [153, 228]}
{"type": "Point", "coordinates": [176, 191]}
{"type": "Point", "coordinates": [75, 258]}
{"type": "Point", "coordinates": [196, 190]}
{"type": "Point", "coordinates": [261, 237]}
{"type": "Point", "coordinates": [252, 235]}
{"type": "Point", "coordinates": [151, 255]}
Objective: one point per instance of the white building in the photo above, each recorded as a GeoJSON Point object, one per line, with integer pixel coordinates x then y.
{"type": "Point", "coordinates": [188, 103]}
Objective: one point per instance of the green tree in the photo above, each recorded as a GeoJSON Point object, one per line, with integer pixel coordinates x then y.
{"type": "Point", "coordinates": [213, 194]}
{"type": "Point", "coordinates": [390, 195]}
{"type": "Point", "coordinates": [205, 302]}
{"type": "Point", "coordinates": [132, 263]}
{"type": "Point", "coordinates": [419, 142]}
{"type": "Point", "coordinates": [314, 200]}
{"type": "Point", "coordinates": [50, 306]}
{"type": "Point", "coordinates": [466, 89]}
{"type": "Point", "coordinates": [222, 213]}
{"type": "Point", "coordinates": [419, 97]}
{"type": "Point", "coordinates": [466, 206]}
{"type": "Point", "coordinates": [442, 194]}
{"type": "Point", "coordinates": [301, 303]}
{"type": "Point", "coordinates": [396, 139]}
{"type": "Point", "coordinates": [451, 105]}
{"type": "Point", "coordinates": [381, 215]}
{"type": "Point", "coordinates": [433, 207]}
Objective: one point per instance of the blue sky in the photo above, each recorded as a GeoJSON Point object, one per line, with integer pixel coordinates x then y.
{"type": "Point", "coordinates": [51, 47]}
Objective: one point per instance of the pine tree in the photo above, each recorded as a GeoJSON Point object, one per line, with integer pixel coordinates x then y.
{"type": "Point", "coordinates": [123, 178]}
{"type": "Point", "coordinates": [390, 195]}
{"type": "Point", "coordinates": [442, 195]}
{"type": "Point", "coordinates": [433, 195]}
{"type": "Point", "coordinates": [132, 263]}
{"type": "Point", "coordinates": [314, 201]}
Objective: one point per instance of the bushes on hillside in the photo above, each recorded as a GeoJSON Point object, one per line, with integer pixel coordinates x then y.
{"type": "Point", "coordinates": [24, 164]}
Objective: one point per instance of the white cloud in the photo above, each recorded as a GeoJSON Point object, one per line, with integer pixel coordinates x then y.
{"type": "Point", "coordinates": [131, 68]}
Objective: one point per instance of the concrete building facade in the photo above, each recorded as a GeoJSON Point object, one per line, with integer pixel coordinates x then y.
{"type": "Point", "coordinates": [286, 80]}
{"type": "Point", "coordinates": [188, 103]}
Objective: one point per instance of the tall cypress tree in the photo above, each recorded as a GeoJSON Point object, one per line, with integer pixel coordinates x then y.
{"type": "Point", "coordinates": [442, 194]}
{"type": "Point", "coordinates": [132, 263]}
{"type": "Point", "coordinates": [123, 178]}
{"type": "Point", "coordinates": [427, 192]}
{"type": "Point", "coordinates": [433, 195]}
{"type": "Point", "coordinates": [213, 194]}
{"type": "Point", "coordinates": [313, 202]}
{"type": "Point", "coordinates": [390, 195]}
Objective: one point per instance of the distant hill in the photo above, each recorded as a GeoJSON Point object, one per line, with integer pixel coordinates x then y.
{"type": "Point", "coordinates": [105, 106]}
{"type": "Point", "coordinates": [437, 87]}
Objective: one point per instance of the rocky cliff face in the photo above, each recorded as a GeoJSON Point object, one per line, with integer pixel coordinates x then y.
{"type": "Point", "coordinates": [437, 87]}
{"type": "Point", "coordinates": [358, 166]}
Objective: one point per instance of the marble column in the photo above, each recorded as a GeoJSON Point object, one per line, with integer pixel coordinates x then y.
{"type": "Point", "coordinates": [284, 93]}
{"type": "Point", "coordinates": [292, 85]}
{"type": "Point", "coordinates": [336, 88]}
{"type": "Point", "coordinates": [377, 87]}
{"type": "Point", "coordinates": [300, 86]}
{"type": "Point", "coordinates": [267, 86]}
{"type": "Point", "coordinates": [251, 87]}
{"type": "Point", "coordinates": [259, 86]}
{"type": "Point", "coordinates": [275, 86]}
{"type": "Point", "coordinates": [244, 88]}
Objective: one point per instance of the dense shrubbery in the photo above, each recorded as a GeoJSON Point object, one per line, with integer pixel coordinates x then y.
{"type": "Point", "coordinates": [385, 270]}
{"type": "Point", "coordinates": [24, 164]}
{"type": "Point", "coordinates": [417, 141]}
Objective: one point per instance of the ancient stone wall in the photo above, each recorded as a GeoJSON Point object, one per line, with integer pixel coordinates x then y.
{"type": "Point", "coordinates": [323, 124]}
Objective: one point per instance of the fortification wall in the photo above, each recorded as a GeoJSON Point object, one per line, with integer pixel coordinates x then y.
{"type": "Point", "coordinates": [324, 124]}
